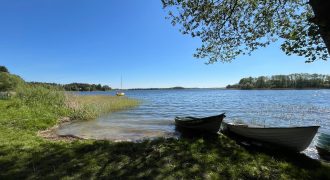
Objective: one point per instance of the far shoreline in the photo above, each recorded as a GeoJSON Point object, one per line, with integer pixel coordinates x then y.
{"type": "Point", "coordinates": [279, 89]}
{"type": "Point", "coordinates": [151, 89]}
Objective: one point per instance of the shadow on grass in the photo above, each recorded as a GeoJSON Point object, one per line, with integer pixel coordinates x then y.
{"type": "Point", "coordinates": [203, 156]}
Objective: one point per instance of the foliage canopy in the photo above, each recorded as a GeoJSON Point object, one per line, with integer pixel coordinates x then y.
{"type": "Point", "coordinates": [296, 81]}
{"type": "Point", "coordinates": [229, 28]}
{"type": "Point", "coordinates": [3, 69]}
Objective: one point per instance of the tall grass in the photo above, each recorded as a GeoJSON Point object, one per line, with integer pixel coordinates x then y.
{"type": "Point", "coordinates": [39, 96]}
{"type": "Point", "coordinates": [91, 106]}
{"type": "Point", "coordinates": [36, 108]}
{"type": "Point", "coordinates": [4, 95]}
{"type": "Point", "coordinates": [76, 107]}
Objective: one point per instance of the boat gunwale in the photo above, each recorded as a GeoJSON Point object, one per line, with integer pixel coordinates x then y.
{"type": "Point", "coordinates": [193, 120]}
{"type": "Point", "coordinates": [249, 127]}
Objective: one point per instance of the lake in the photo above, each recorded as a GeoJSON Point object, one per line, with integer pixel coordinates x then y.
{"type": "Point", "coordinates": [155, 116]}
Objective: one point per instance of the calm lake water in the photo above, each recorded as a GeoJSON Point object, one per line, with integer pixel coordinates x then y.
{"type": "Point", "coordinates": [155, 116]}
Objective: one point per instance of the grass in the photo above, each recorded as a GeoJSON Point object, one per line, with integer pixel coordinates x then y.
{"type": "Point", "coordinates": [90, 106]}
{"type": "Point", "coordinates": [24, 155]}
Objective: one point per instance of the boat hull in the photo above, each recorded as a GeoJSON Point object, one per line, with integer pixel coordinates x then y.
{"type": "Point", "coordinates": [120, 94]}
{"type": "Point", "coordinates": [295, 138]}
{"type": "Point", "coordinates": [208, 124]}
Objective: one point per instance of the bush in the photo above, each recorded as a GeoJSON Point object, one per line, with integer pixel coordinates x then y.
{"type": "Point", "coordinates": [9, 82]}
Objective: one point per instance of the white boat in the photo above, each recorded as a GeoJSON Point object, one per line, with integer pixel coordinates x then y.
{"type": "Point", "coordinates": [295, 138]}
{"type": "Point", "coordinates": [121, 93]}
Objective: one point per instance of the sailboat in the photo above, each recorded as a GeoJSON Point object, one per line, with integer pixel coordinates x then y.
{"type": "Point", "coordinates": [121, 93]}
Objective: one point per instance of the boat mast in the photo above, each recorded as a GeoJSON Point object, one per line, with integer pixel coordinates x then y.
{"type": "Point", "coordinates": [121, 82]}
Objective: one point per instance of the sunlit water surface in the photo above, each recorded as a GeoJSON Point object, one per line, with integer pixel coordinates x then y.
{"type": "Point", "coordinates": [155, 116]}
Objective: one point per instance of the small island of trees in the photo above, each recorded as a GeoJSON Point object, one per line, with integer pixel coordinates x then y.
{"type": "Point", "coordinates": [291, 81]}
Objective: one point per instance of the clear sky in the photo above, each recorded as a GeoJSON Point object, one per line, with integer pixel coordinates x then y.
{"type": "Point", "coordinates": [97, 41]}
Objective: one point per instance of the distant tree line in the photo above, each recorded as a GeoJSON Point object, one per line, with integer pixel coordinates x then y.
{"type": "Point", "coordinates": [170, 88]}
{"type": "Point", "coordinates": [76, 86]}
{"type": "Point", "coordinates": [294, 81]}
{"type": "Point", "coordinates": [8, 82]}
{"type": "Point", "coordinates": [86, 87]}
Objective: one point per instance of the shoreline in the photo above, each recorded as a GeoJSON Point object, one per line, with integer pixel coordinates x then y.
{"type": "Point", "coordinates": [279, 89]}
{"type": "Point", "coordinates": [210, 88]}
{"type": "Point", "coordinates": [51, 135]}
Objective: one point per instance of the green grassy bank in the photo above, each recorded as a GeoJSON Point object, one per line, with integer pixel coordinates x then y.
{"type": "Point", "coordinates": [23, 154]}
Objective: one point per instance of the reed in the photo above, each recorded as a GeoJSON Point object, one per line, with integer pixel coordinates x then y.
{"type": "Point", "coordinates": [38, 95]}
{"type": "Point", "coordinates": [76, 107]}
{"type": "Point", "coordinates": [85, 107]}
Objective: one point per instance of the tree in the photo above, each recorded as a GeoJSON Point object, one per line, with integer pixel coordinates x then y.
{"type": "Point", "coordinates": [303, 80]}
{"type": "Point", "coordinates": [99, 87]}
{"type": "Point", "coordinates": [106, 88]}
{"type": "Point", "coordinates": [261, 82]}
{"type": "Point", "coordinates": [229, 28]}
{"type": "Point", "coordinates": [3, 69]}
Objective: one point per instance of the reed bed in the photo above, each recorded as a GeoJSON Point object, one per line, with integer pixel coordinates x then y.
{"type": "Point", "coordinates": [76, 107]}
{"type": "Point", "coordinates": [85, 107]}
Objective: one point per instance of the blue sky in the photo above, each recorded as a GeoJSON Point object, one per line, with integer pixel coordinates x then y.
{"type": "Point", "coordinates": [66, 41]}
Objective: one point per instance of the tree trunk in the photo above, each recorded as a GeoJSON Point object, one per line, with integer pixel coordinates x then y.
{"type": "Point", "coordinates": [321, 9]}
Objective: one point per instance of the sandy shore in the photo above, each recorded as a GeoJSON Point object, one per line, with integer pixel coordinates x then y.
{"type": "Point", "coordinates": [50, 133]}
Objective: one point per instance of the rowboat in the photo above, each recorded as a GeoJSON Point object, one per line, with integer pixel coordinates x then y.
{"type": "Point", "coordinates": [209, 124]}
{"type": "Point", "coordinates": [295, 138]}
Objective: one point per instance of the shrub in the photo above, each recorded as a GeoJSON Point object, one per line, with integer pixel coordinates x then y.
{"type": "Point", "coordinates": [9, 82]}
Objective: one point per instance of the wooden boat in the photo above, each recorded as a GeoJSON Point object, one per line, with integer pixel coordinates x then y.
{"type": "Point", "coordinates": [208, 124]}
{"type": "Point", "coordinates": [295, 138]}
